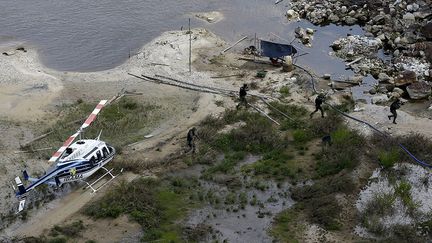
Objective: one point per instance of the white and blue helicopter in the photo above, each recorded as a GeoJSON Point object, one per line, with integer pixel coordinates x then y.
{"type": "Point", "coordinates": [73, 162]}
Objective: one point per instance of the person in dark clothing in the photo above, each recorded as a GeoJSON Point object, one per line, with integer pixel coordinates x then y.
{"type": "Point", "coordinates": [318, 102]}
{"type": "Point", "coordinates": [242, 96]}
{"type": "Point", "coordinates": [326, 140]}
{"type": "Point", "coordinates": [191, 136]}
{"type": "Point", "coordinates": [393, 107]}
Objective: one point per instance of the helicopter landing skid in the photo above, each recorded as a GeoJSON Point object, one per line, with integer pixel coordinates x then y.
{"type": "Point", "coordinates": [108, 172]}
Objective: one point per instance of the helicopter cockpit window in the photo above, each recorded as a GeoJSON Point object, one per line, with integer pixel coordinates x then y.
{"type": "Point", "coordinates": [105, 152]}
{"type": "Point", "coordinates": [67, 152]}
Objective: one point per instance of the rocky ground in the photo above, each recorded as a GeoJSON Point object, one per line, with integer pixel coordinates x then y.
{"type": "Point", "coordinates": [396, 49]}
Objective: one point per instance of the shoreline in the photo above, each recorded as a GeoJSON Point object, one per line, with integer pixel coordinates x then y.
{"type": "Point", "coordinates": [170, 48]}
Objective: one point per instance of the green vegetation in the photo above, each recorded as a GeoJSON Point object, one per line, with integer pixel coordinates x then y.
{"type": "Point", "coordinates": [227, 164]}
{"type": "Point", "coordinates": [345, 153]}
{"type": "Point", "coordinates": [318, 202]}
{"type": "Point", "coordinates": [69, 230]}
{"type": "Point", "coordinates": [389, 158]}
{"type": "Point", "coordinates": [403, 190]}
{"type": "Point", "coordinates": [276, 164]}
{"type": "Point", "coordinates": [286, 228]}
{"type": "Point", "coordinates": [285, 91]}
{"type": "Point", "coordinates": [154, 204]}
{"type": "Point", "coordinates": [121, 123]}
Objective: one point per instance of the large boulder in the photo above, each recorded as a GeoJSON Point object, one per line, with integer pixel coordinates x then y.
{"type": "Point", "coordinates": [427, 30]}
{"type": "Point", "coordinates": [419, 90]}
{"type": "Point", "coordinates": [407, 77]}
{"type": "Point", "coordinates": [379, 99]}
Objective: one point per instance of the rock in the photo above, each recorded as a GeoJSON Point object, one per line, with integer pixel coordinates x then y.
{"type": "Point", "coordinates": [379, 19]}
{"type": "Point", "coordinates": [419, 90]}
{"type": "Point", "coordinates": [394, 95]}
{"type": "Point", "coordinates": [397, 40]}
{"type": "Point", "coordinates": [407, 77]}
{"type": "Point", "coordinates": [326, 76]}
{"type": "Point", "coordinates": [427, 30]}
{"type": "Point", "coordinates": [344, 9]}
{"type": "Point", "coordinates": [291, 14]}
{"type": "Point", "coordinates": [341, 85]}
{"type": "Point", "coordinates": [309, 31]}
{"type": "Point", "coordinates": [383, 77]}
{"type": "Point", "coordinates": [412, 7]}
{"type": "Point", "coordinates": [379, 99]}
{"type": "Point", "coordinates": [333, 18]}
{"type": "Point", "coordinates": [350, 20]}
{"type": "Point", "coordinates": [372, 91]}
{"type": "Point", "coordinates": [408, 16]}
{"type": "Point", "coordinates": [390, 87]}
{"type": "Point", "coordinates": [337, 45]}
{"type": "Point", "coordinates": [382, 89]}
{"type": "Point", "coordinates": [398, 90]}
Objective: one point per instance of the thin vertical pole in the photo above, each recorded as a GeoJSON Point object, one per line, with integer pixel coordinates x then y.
{"type": "Point", "coordinates": [190, 47]}
{"type": "Point", "coordinates": [255, 45]}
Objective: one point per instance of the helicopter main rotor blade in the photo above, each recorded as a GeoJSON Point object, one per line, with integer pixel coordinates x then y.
{"type": "Point", "coordinates": [87, 123]}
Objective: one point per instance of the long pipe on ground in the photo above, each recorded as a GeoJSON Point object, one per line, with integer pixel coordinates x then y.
{"type": "Point", "coordinates": [366, 123]}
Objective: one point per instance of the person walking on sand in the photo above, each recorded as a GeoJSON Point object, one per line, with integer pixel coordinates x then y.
{"type": "Point", "coordinates": [318, 102]}
{"type": "Point", "coordinates": [191, 136]}
{"type": "Point", "coordinates": [242, 96]}
{"type": "Point", "coordinates": [393, 107]}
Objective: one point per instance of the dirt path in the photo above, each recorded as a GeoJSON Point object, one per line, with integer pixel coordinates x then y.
{"type": "Point", "coordinates": [377, 116]}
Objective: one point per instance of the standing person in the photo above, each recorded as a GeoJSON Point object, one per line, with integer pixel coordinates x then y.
{"type": "Point", "coordinates": [242, 95]}
{"type": "Point", "coordinates": [393, 107]}
{"type": "Point", "coordinates": [318, 102]}
{"type": "Point", "coordinates": [191, 136]}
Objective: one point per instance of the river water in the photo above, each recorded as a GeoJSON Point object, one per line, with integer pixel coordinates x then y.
{"type": "Point", "coordinates": [97, 35]}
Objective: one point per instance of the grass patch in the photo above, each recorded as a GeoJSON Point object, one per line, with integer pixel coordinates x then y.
{"type": "Point", "coordinates": [275, 164]}
{"type": "Point", "coordinates": [257, 136]}
{"type": "Point", "coordinates": [284, 91]}
{"type": "Point", "coordinates": [389, 158]}
{"type": "Point", "coordinates": [286, 228]}
{"type": "Point", "coordinates": [345, 153]}
{"type": "Point", "coordinates": [70, 230]}
{"type": "Point", "coordinates": [121, 123]}
{"type": "Point", "coordinates": [318, 202]}
{"type": "Point", "coordinates": [227, 164]}
{"type": "Point", "coordinates": [302, 136]}
{"type": "Point", "coordinates": [155, 204]}
{"type": "Point", "coordinates": [403, 190]}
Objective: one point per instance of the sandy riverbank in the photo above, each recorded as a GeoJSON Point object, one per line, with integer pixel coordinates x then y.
{"type": "Point", "coordinates": [25, 117]}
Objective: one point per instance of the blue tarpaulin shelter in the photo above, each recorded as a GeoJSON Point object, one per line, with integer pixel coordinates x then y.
{"type": "Point", "coordinates": [275, 50]}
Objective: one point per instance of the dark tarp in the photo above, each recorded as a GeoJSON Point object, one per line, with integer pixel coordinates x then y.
{"type": "Point", "coordinates": [274, 50]}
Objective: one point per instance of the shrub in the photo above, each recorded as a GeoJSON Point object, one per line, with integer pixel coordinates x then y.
{"type": "Point", "coordinates": [327, 125]}
{"type": "Point", "coordinates": [274, 164]}
{"type": "Point", "coordinates": [137, 198]}
{"type": "Point", "coordinates": [285, 91]}
{"type": "Point", "coordinates": [388, 158]}
{"type": "Point", "coordinates": [301, 136]}
{"type": "Point", "coordinates": [70, 230]}
{"type": "Point", "coordinates": [403, 190]}
{"type": "Point", "coordinates": [285, 226]}
{"type": "Point", "coordinates": [345, 153]}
